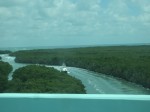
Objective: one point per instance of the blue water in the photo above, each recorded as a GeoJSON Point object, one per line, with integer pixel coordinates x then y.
{"type": "Point", "coordinates": [72, 105]}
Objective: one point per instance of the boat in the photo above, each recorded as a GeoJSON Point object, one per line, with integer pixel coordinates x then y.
{"type": "Point", "coordinates": [64, 68]}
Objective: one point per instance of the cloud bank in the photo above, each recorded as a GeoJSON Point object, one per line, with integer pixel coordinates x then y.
{"type": "Point", "coordinates": [53, 22]}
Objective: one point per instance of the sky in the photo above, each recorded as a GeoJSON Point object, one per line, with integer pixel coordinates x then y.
{"type": "Point", "coordinates": [73, 22]}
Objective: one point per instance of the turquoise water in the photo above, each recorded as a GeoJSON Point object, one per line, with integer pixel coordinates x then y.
{"type": "Point", "coordinates": [72, 105]}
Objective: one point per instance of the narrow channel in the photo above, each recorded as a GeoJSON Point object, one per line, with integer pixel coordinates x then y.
{"type": "Point", "coordinates": [95, 83]}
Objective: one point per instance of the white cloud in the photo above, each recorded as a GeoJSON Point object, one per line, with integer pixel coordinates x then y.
{"type": "Point", "coordinates": [12, 3]}
{"type": "Point", "coordinates": [45, 18]}
{"type": "Point", "coordinates": [5, 12]}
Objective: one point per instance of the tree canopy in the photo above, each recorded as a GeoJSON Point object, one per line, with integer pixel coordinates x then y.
{"type": "Point", "coordinates": [131, 63]}
{"type": "Point", "coordinates": [5, 69]}
{"type": "Point", "coordinates": [5, 51]}
{"type": "Point", "coordinates": [41, 79]}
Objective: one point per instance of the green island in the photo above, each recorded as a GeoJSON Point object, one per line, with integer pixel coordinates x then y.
{"type": "Point", "coordinates": [131, 63]}
{"type": "Point", "coordinates": [5, 69]}
{"type": "Point", "coordinates": [41, 79]}
{"type": "Point", "coordinates": [5, 51]}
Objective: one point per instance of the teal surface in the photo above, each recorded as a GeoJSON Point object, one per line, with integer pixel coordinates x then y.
{"type": "Point", "coordinates": [72, 105]}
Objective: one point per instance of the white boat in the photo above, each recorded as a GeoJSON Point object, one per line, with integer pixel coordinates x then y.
{"type": "Point", "coordinates": [64, 68]}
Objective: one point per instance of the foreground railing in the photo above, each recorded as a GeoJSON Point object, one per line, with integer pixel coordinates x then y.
{"type": "Point", "coordinates": [73, 103]}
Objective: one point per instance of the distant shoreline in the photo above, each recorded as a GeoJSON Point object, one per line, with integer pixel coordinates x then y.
{"type": "Point", "coordinates": [70, 46]}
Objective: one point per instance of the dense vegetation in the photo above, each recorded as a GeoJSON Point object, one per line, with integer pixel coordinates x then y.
{"type": "Point", "coordinates": [41, 79]}
{"type": "Point", "coordinates": [4, 52]}
{"type": "Point", "coordinates": [131, 63]}
{"type": "Point", "coordinates": [5, 69]}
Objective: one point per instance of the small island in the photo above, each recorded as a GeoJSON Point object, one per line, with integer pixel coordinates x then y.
{"type": "Point", "coordinates": [5, 51]}
{"type": "Point", "coordinates": [41, 79]}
